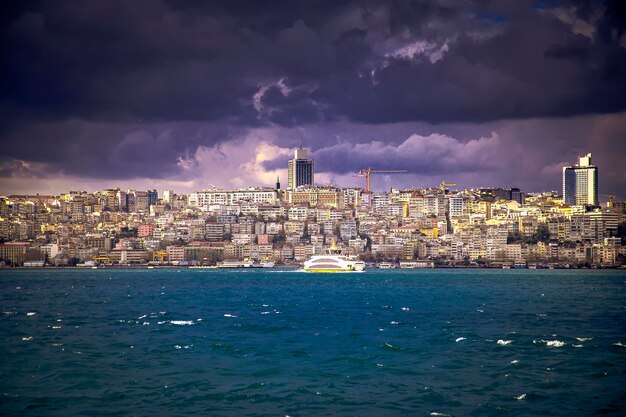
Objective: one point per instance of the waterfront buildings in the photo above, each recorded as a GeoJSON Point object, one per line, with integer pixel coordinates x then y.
{"type": "Point", "coordinates": [580, 182]}
{"type": "Point", "coordinates": [14, 252]}
{"type": "Point", "coordinates": [431, 225]}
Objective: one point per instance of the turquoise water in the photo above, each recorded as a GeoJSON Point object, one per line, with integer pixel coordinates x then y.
{"type": "Point", "coordinates": [379, 343]}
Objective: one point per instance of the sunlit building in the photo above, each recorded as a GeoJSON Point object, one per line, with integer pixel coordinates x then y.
{"type": "Point", "coordinates": [580, 183]}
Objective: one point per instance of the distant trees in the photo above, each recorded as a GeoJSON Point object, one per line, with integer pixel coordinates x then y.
{"type": "Point", "coordinates": [207, 257]}
{"type": "Point", "coordinates": [126, 232]}
{"type": "Point", "coordinates": [305, 233]}
{"type": "Point", "coordinates": [541, 235]}
{"type": "Point", "coordinates": [368, 241]}
{"type": "Point", "coordinates": [279, 238]}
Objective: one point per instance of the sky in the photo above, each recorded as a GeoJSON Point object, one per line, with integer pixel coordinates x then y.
{"type": "Point", "coordinates": [186, 95]}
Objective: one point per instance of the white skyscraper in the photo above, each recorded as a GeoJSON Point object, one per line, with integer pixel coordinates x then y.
{"type": "Point", "coordinates": [580, 182]}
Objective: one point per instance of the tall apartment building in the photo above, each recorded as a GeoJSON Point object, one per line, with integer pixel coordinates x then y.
{"type": "Point", "coordinates": [300, 169]}
{"type": "Point", "coordinates": [153, 197]}
{"type": "Point", "coordinates": [580, 183]}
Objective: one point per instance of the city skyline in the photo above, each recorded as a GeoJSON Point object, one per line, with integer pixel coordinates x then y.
{"type": "Point", "coordinates": [180, 96]}
{"type": "Point", "coordinates": [574, 187]}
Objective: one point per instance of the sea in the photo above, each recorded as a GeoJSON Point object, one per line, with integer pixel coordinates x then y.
{"type": "Point", "coordinates": [201, 342]}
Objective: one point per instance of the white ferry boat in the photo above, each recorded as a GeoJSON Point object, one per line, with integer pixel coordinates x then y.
{"type": "Point", "coordinates": [386, 265]}
{"type": "Point", "coordinates": [333, 261]}
{"type": "Point", "coordinates": [236, 264]}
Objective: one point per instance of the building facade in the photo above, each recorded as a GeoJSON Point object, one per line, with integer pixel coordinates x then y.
{"type": "Point", "coordinates": [580, 183]}
{"type": "Point", "coordinates": [300, 169]}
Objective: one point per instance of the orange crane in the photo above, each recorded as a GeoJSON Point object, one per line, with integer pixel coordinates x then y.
{"type": "Point", "coordinates": [367, 173]}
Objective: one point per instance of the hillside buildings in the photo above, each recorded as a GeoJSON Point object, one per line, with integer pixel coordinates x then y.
{"type": "Point", "coordinates": [409, 226]}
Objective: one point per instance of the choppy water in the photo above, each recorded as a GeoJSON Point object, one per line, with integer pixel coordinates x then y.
{"type": "Point", "coordinates": [380, 343]}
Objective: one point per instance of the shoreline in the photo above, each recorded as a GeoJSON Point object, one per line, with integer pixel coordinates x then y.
{"type": "Point", "coordinates": [289, 268]}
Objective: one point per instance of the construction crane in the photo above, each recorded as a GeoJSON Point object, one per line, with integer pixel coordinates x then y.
{"type": "Point", "coordinates": [159, 256]}
{"type": "Point", "coordinates": [102, 259]}
{"type": "Point", "coordinates": [444, 184]}
{"type": "Point", "coordinates": [367, 174]}
{"type": "Point", "coordinates": [611, 198]}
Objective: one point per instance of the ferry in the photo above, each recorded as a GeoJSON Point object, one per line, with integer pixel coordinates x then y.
{"type": "Point", "coordinates": [386, 265]}
{"type": "Point", "coordinates": [333, 261]}
{"type": "Point", "coordinates": [246, 263]}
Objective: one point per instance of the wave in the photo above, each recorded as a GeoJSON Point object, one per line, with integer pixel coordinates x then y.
{"type": "Point", "coordinates": [551, 343]}
{"type": "Point", "coordinates": [182, 322]}
{"type": "Point", "coordinates": [389, 346]}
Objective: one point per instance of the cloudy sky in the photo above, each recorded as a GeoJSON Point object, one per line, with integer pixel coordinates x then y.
{"type": "Point", "coordinates": [185, 95]}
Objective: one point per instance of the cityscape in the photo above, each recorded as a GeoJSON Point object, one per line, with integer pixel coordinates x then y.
{"type": "Point", "coordinates": [445, 225]}
{"type": "Point", "coordinates": [312, 208]}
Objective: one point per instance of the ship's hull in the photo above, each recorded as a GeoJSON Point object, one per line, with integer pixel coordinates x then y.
{"type": "Point", "coordinates": [330, 264]}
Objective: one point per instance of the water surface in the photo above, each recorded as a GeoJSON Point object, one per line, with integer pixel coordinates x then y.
{"type": "Point", "coordinates": [380, 343]}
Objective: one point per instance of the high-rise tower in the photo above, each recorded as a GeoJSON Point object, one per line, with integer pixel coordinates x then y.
{"type": "Point", "coordinates": [300, 169]}
{"type": "Point", "coordinates": [580, 183]}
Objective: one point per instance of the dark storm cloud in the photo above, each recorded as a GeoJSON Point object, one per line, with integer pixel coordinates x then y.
{"type": "Point", "coordinates": [110, 150]}
{"type": "Point", "coordinates": [111, 89]}
{"type": "Point", "coordinates": [194, 61]}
